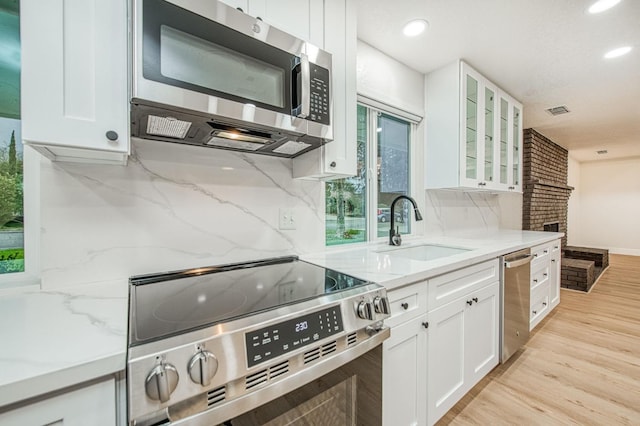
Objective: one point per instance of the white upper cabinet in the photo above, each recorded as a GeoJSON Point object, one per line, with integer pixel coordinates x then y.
{"type": "Point", "coordinates": [74, 79]}
{"type": "Point", "coordinates": [338, 158]}
{"type": "Point", "coordinates": [301, 18]}
{"type": "Point", "coordinates": [473, 132]}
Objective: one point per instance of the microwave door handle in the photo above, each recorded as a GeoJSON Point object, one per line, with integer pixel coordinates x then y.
{"type": "Point", "coordinates": [305, 90]}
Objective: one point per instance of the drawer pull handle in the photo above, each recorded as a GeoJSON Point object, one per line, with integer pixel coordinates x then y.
{"type": "Point", "coordinates": [475, 299]}
{"type": "Point", "coordinates": [546, 251]}
{"type": "Point", "coordinates": [544, 303]}
{"type": "Point", "coordinates": [405, 306]}
{"type": "Point", "coordinates": [553, 260]}
{"type": "Point", "coordinates": [545, 274]}
{"type": "Point", "coordinates": [535, 312]}
{"type": "Point", "coordinates": [469, 302]}
{"type": "Point", "coordinates": [535, 280]}
{"type": "Point", "coordinates": [425, 324]}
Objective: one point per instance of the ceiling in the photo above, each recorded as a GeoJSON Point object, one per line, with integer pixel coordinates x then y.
{"type": "Point", "coordinates": [545, 53]}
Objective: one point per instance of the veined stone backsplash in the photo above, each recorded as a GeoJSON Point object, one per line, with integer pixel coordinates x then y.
{"type": "Point", "coordinates": [458, 213]}
{"type": "Point", "coordinates": [172, 207]}
{"type": "Point", "coordinates": [175, 207]}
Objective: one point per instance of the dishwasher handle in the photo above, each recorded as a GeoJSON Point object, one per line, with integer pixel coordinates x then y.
{"type": "Point", "coordinates": [518, 262]}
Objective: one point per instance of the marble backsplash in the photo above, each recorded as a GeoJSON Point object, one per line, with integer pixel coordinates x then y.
{"type": "Point", "coordinates": [172, 207]}
{"type": "Point", "coordinates": [457, 213]}
{"type": "Point", "coordinates": [175, 207]}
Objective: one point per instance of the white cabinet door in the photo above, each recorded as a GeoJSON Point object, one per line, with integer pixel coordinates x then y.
{"type": "Point", "coordinates": [446, 358]}
{"type": "Point", "coordinates": [510, 142]}
{"type": "Point", "coordinates": [404, 374]}
{"type": "Point", "coordinates": [463, 347]}
{"type": "Point", "coordinates": [91, 405]}
{"type": "Point", "coordinates": [338, 158]}
{"type": "Point", "coordinates": [301, 18]}
{"type": "Point", "coordinates": [74, 79]}
{"type": "Point", "coordinates": [482, 334]}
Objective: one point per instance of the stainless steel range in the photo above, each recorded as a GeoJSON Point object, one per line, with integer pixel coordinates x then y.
{"type": "Point", "coordinates": [208, 345]}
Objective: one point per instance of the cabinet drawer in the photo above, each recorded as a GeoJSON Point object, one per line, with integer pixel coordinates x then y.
{"type": "Point", "coordinates": [539, 304]}
{"type": "Point", "coordinates": [540, 277]}
{"type": "Point", "coordinates": [540, 255]}
{"type": "Point", "coordinates": [555, 246]}
{"type": "Point", "coordinates": [448, 287]}
{"type": "Point", "coordinates": [406, 303]}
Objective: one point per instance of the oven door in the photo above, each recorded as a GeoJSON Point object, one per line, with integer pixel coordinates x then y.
{"type": "Point", "coordinates": [349, 395]}
{"type": "Point", "coordinates": [207, 57]}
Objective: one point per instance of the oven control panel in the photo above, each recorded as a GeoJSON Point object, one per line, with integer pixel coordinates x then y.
{"type": "Point", "coordinates": [277, 339]}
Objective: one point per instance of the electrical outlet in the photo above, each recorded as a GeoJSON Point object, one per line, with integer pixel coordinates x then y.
{"type": "Point", "coordinates": [287, 219]}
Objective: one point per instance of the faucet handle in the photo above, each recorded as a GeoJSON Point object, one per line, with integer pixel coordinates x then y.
{"type": "Point", "coordinates": [396, 239]}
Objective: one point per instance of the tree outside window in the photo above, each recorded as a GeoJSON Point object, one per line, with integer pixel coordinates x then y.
{"type": "Point", "coordinates": [11, 158]}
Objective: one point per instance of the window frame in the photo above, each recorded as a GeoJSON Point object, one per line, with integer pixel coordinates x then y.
{"type": "Point", "coordinates": [371, 194]}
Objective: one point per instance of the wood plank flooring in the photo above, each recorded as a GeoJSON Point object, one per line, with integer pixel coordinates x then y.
{"type": "Point", "coordinates": [580, 366]}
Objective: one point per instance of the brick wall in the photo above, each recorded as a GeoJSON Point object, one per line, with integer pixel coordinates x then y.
{"type": "Point", "coordinates": [544, 178]}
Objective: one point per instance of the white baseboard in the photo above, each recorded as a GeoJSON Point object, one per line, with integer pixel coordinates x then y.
{"type": "Point", "coordinates": [626, 251]}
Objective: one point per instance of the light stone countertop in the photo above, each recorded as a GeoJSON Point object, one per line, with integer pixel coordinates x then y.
{"type": "Point", "coordinates": [379, 263]}
{"type": "Point", "coordinates": [53, 339]}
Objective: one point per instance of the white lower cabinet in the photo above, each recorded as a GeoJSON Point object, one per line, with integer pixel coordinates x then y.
{"type": "Point", "coordinates": [463, 347]}
{"type": "Point", "coordinates": [404, 374]}
{"type": "Point", "coordinates": [91, 405]}
{"type": "Point", "coordinates": [545, 281]}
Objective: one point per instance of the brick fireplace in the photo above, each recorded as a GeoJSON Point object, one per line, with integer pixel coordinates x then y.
{"type": "Point", "coordinates": [545, 190]}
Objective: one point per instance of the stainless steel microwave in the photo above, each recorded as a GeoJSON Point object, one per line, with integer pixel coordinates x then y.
{"type": "Point", "coordinates": [207, 74]}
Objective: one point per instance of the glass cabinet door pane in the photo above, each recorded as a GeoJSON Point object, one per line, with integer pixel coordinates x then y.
{"type": "Point", "coordinates": [488, 134]}
{"type": "Point", "coordinates": [516, 146]}
{"type": "Point", "coordinates": [472, 128]}
{"type": "Point", "coordinates": [504, 139]}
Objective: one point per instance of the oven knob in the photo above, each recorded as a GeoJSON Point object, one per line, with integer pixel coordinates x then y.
{"type": "Point", "coordinates": [203, 367]}
{"type": "Point", "coordinates": [161, 381]}
{"type": "Point", "coordinates": [364, 310]}
{"type": "Point", "coordinates": [381, 305]}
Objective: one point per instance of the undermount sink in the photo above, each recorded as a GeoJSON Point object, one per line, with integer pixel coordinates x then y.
{"type": "Point", "coordinates": [424, 252]}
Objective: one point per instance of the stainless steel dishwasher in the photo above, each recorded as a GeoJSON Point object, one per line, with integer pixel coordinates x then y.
{"type": "Point", "coordinates": [515, 297]}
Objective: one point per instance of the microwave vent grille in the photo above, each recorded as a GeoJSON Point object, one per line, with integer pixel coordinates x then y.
{"type": "Point", "coordinates": [167, 126]}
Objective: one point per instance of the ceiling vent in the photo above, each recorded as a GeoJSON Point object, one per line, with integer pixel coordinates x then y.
{"type": "Point", "coordinates": [602, 152]}
{"type": "Point", "coordinates": [562, 109]}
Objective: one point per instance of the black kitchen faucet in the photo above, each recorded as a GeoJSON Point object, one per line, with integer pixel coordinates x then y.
{"type": "Point", "coordinates": [394, 235]}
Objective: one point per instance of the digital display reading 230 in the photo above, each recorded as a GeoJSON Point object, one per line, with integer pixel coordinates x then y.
{"type": "Point", "coordinates": [286, 336]}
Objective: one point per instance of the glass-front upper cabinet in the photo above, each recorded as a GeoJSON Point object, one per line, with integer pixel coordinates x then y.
{"type": "Point", "coordinates": [473, 131]}
{"type": "Point", "coordinates": [479, 109]}
{"type": "Point", "coordinates": [510, 149]}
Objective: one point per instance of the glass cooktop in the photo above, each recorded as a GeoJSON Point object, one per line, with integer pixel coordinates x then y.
{"type": "Point", "coordinates": [167, 304]}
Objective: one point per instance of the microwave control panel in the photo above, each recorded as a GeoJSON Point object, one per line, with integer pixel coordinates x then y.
{"type": "Point", "coordinates": [320, 101]}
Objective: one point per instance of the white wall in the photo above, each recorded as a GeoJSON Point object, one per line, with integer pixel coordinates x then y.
{"type": "Point", "coordinates": [386, 80]}
{"type": "Point", "coordinates": [172, 207]}
{"type": "Point", "coordinates": [574, 230]}
{"type": "Point", "coordinates": [609, 205]}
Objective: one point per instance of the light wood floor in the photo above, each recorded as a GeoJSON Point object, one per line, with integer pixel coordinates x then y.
{"type": "Point", "coordinates": [580, 366]}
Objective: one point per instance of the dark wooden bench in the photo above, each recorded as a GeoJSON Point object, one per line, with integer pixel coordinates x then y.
{"type": "Point", "coordinates": [599, 256]}
{"type": "Point", "coordinates": [577, 274]}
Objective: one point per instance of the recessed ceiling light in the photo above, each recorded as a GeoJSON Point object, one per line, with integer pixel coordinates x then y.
{"type": "Point", "coordinates": [415, 27]}
{"type": "Point", "coordinates": [602, 5]}
{"type": "Point", "coordinates": [617, 52]}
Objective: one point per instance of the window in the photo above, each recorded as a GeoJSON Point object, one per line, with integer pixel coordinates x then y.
{"type": "Point", "coordinates": [16, 188]}
{"type": "Point", "coordinates": [384, 148]}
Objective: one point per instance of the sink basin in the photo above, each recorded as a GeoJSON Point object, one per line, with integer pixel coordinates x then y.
{"type": "Point", "coordinates": [425, 252]}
